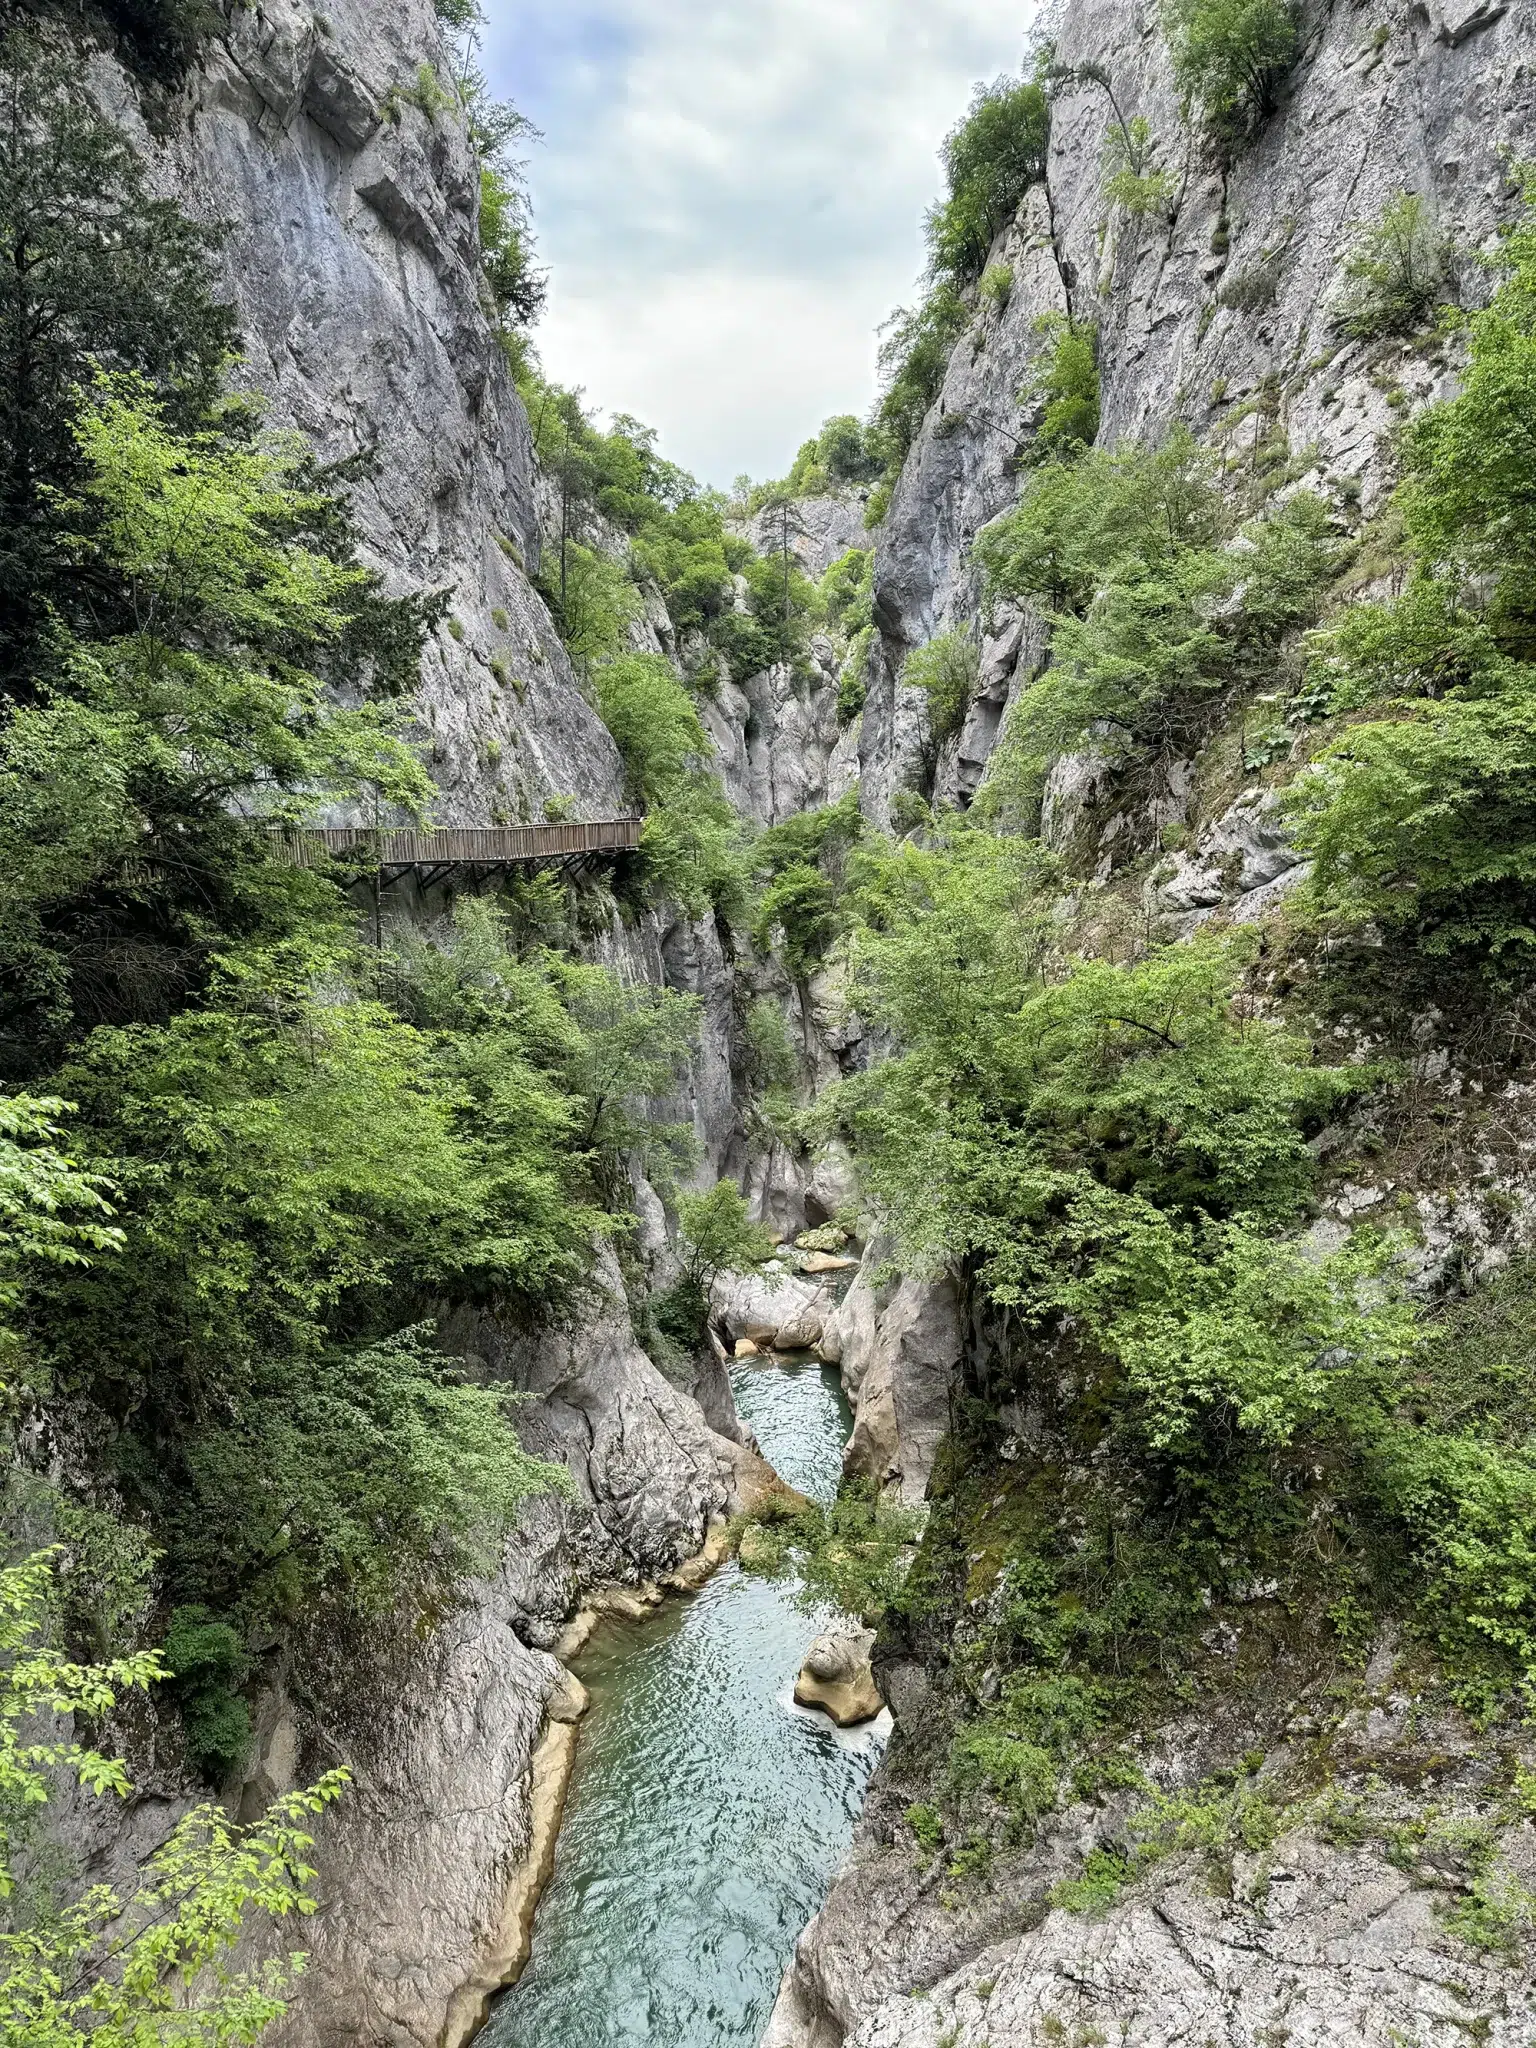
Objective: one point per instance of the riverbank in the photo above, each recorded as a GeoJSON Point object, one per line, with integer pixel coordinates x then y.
{"type": "Point", "coordinates": [706, 1813]}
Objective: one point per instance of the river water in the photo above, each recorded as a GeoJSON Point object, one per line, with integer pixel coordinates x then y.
{"type": "Point", "coordinates": [707, 1813]}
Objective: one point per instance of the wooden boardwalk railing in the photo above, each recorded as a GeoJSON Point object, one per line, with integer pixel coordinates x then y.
{"type": "Point", "coordinates": [398, 848]}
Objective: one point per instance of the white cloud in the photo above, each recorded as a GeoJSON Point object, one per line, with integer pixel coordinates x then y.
{"type": "Point", "coordinates": [730, 196]}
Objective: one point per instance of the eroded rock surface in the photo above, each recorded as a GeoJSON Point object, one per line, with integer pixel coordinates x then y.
{"type": "Point", "coordinates": [838, 1677]}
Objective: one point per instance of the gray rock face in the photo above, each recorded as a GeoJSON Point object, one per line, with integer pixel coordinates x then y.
{"type": "Point", "coordinates": [1221, 319]}
{"type": "Point", "coordinates": [1326, 1948]}
{"type": "Point", "coordinates": [899, 1351]}
{"type": "Point", "coordinates": [818, 531]}
{"type": "Point", "coordinates": [353, 268]}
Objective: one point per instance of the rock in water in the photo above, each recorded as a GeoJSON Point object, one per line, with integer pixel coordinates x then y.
{"type": "Point", "coordinates": [838, 1677]}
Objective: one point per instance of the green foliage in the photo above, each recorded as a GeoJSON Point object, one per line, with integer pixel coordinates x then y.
{"type": "Point", "coordinates": [302, 1174]}
{"type": "Point", "coordinates": [1133, 178]}
{"type": "Point", "coordinates": [927, 1824]}
{"type": "Point", "coordinates": [517, 289]}
{"type": "Point", "coordinates": [853, 1556]}
{"type": "Point", "coordinates": [688, 849]}
{"type": "Point", "coordinates": [803, 862]}
{"type": "Point", "coordinates": [163, 37]}
{"type": "Point", "coordinates": [678, 544]}
{"type": "Point", "coordinates": [996, 285]}
{"type": "Point", "coordinates": [51, 1212]}
{"type": "Point", "coordinates": [797, 912]}
{"type": "Point", "coordinates": [853, 677]}
{"type": "Point", "coordinates": [1158, 606]}
{"type": "Point", "coordinates": [914, 356]}
{"type": "Point", "coordinates": [1421, 817]}
{"type": "Point", "coordinates": [128, 780]}
{"type": "Point", "coordinates": [1231, 56]}
{"type": "Point", "coordinates": [718, 1236]}
{"type": "Point", "coordinates": [1075, 1141]}
{"type": "Point", "coordinates": [116, 1971]}
{"type": "Point", "coordinates": [207, 1662]}
{"type": "Point", "coordinates": [842, 456]}
{"type": "Point", "coordinates": [1395, 274]}
{"type": "Point", "coordinates": [946, 671]}
{"type": "Point", "coordinates": [846, 594]}
{"type": "Point", "coordinates": [100, 276]}
{"type": "Point", "coordinates": [1114, 516]}
{"type": "Point", "coordinates": [843, 451]}
{"type": "Point", "coordinates": [1065, 383]}
{"type": "Point", "coordinates": [991, 159]}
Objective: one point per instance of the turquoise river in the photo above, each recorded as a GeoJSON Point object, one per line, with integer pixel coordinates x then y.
{"type": "Point", "coordinates": [707, 1813]}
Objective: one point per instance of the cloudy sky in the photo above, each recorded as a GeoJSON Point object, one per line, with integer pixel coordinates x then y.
{"type": "Point", "coordinates": [730, 196]}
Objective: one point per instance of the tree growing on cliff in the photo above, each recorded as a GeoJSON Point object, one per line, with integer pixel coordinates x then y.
{"type": "Point", "coordinates": [98, 274]}
{"type": "Point", "coordinates": [991, 159]}
{"type": "Point", "coordinates": [110, 1970]}
{"type": "Point", "coordinates": [1230, 57]}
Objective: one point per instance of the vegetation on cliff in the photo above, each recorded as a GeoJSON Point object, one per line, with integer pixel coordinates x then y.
{"type": "Point", "coordinates": [255, 1158]}
{"type": "Point", "coordinates": [1210, 1442]}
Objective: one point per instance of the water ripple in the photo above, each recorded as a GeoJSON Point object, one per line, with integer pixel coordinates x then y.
{"type": "Point", "coordinates": [707, 1812]}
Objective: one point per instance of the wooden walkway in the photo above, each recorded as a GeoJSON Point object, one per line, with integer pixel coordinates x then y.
{"type": "Point", "coordinates": [393, 852]}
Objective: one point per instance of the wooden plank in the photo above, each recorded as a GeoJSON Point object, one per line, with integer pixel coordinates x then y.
{"type": "Point", "coordinates": [456, 845]}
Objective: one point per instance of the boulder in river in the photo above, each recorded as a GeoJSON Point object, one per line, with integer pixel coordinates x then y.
{"type": "Point", "coordinates": [838, 1677]}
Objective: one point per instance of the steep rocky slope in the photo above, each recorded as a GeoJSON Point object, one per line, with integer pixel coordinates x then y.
{"type": "Point", "coordinates": [1218, 318]}
{"type": "Point", "coordinates": [351, 197]}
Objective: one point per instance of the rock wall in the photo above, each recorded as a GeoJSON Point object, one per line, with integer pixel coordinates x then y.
{"type": "Point", "coordinates": [351, 198]}
{"type": "Point", "coordinates": [1219, 318]}
{"type": "Point", "coordinates": [352, 261]}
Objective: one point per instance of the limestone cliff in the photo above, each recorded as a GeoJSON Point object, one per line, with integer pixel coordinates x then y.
{"type": "Point", "coordinates": [1218, 317]}
{"type": "Point", "coordinates": [350, 195]}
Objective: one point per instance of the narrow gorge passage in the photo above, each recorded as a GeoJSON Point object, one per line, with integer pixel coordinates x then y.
{"type": "Point", "coordinates": [707, 1813]}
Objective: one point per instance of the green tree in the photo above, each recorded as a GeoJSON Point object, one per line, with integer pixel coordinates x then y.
{"type": "Point", "coordinates": [688, 846]}
{"type": "Point", "coordinates": [718, 1236]}
{"type": "Point", "coordinates": [116, 1971]}
{"type": "Point", "coordinates": [1065, 383]}
{"type": "Point", "coordinates": [991, 159]}
{"type": "Point", "coordinates": [946, 671]}
{"type": "Point", "coordinates": [131, 781]}
{"type": "Point", "coordinates": [1395, 273]}
{"type": "Point", "coordinates": [1230, 56]}
{"type": "Point", "coordinates": [98, 274]}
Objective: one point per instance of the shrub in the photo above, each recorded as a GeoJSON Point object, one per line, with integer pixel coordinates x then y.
{"type": "Point", "coordinates": [991, 159]}
{"type": "Point", "coordinates": [1423, 818]}
{"type": "Point", "coordinates": [803, 859]}
{"type": "Point", "coordinates": [1156, 614]}
{"type": "Point", "coordinates": [1395, 274]}
{"type": "Point", "coordinates": [164, 36]}
{"type": "Point", "coordinates": [996, 286]}
{"type": "Point", "coordinates": [854, 1556]}
{"type": "Point", "coordinates": [208, 1663]}
{"type": "Point", "coordinates": [1132, 176]}
{"type": "Point", "coordinates": [1065, 380]}
{"type": "Point", "coordinates": [945, 671]}
{"type": "Point", "coordinates": [846, 594]}
{"type": "Point", "coordinates": [843, 451]}
{"type": "Point", "coordinates": [1230, 56]}
{"type": "Point", "coordinates": [107, 1971]}
{"type": "Point", "coordinates": [914, 357]}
